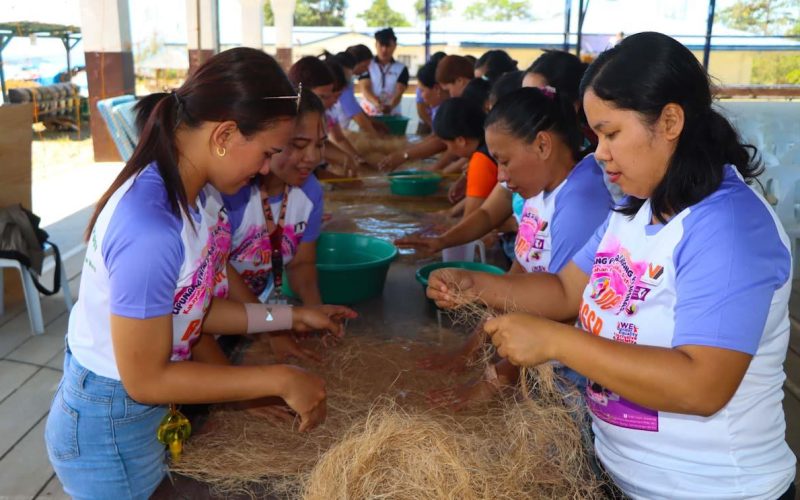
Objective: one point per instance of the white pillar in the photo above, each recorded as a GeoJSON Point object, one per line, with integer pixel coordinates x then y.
{"type": "Point", "coordinates": [105, 25]}
{"type": "Point", "coordinates": [202, 31]}
{"type": "Point", "coordinates": [253, 23]}
{"type": "Point", "coordinates": [283, 12]}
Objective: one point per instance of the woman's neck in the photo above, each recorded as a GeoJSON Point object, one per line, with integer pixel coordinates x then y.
{"type": "Point", "coordinates": [562, 164]}
{"type": "Point", "coordinates": [191, 168]}
{"type": "Point", "coordinates": [273, 184]}
{"type": "Point", "coordinates": [472, 146]}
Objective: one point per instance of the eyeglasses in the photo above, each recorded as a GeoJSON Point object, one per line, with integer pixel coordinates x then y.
{"type": "Point", "coordinates": [297, 97]}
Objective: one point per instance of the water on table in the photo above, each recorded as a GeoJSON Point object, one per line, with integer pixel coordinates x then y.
{"type": "Point", "coordinates": [372, 210]}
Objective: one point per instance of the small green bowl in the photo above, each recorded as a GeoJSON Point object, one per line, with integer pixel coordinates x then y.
{"type": "Point", "coordinates": [351, 268]}
{"type": "Point", "coordinates": [397, 124]}
{"type": "Point", "coordinates": [414, 182]}
{"type": "Point", "coordinates": [425, 271]}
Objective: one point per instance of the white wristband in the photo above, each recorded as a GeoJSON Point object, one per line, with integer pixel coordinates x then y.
{"type": "Point", "coordinates": [268, 317]}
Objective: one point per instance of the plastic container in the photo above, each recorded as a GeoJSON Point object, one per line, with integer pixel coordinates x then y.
{"type": "Point", "coordinates": [397, 124]}
{"type": "Point", "coordinates": [425, 271]}
{"type": "Point", "coordinates": [351, 267]}
{"type": "Point", "coordinates": [414, 183]}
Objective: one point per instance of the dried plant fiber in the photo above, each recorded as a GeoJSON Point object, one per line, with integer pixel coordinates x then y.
{"type": "Point", "coordinates": [382, 439]}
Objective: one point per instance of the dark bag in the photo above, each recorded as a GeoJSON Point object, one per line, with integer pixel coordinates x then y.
{"type": "Point", "coordinates": [22, 239]}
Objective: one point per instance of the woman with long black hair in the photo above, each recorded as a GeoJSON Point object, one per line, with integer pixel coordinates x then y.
{"type": "Point", "coordinates": [139, 337]}
{"type": "Point", "coordinates": [682, 294]}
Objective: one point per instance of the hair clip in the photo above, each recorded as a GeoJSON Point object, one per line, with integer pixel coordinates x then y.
{"type": "Point", "coordinates": [297, 97]}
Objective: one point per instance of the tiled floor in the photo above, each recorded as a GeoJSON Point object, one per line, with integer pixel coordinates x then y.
{"type": "Point", "coordinates": [30, 369]}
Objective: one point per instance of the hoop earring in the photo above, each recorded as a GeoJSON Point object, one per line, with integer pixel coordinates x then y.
{"type": "Point", "coordinates": [221, 151]}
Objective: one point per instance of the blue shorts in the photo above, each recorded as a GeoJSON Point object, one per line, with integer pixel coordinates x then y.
{"type": "Point", "coordinates": [102, 443]}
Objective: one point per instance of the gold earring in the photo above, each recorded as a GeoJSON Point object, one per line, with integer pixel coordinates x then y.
{"type": "Point", "coordinates": [221, 151]}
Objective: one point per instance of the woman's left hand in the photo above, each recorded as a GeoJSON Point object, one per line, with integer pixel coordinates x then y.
{"type": "Point", "coordinates": [523, 339]}
{"type": "Point", "coordinates": [326, 317]}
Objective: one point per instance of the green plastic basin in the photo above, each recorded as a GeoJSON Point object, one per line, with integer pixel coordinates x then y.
{"type": "Point", "coordinates": [425, 271]}
{"type": "Point", "coordinates": [351, 268]}
{"type": "Point", "coordinates": [414, 182]}
{"type": "Point", "coordinates": [397, 124]}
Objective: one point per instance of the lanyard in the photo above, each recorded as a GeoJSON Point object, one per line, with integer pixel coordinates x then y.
{"type": "Point", "coordinates": [276, 236]}
{"type": "Point", "coordinates": [384, 73]}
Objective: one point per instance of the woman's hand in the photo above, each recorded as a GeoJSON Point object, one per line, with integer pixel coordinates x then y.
{"type": "Point", "coordinates": [326, 317]}
{"type": "Point", "coordinates": [450, 287]}
{"type": "Point", "coordinates": [523, 339]}
{"type": "Point", "coordinates": [305, 394]}
{"type": "Point", "coordinates": [458, 190]}
{"type": "Point", "coordinates": [391, 162]}
{"type": "Point", "coordinates": [423, 245]}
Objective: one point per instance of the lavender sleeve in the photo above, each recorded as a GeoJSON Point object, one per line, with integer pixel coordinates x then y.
{"type": "Point", "coordinates": [729, 265]}
{"type": "Point", "coordinates": [580, 207]}
{"type": "Point", "coordinates": [143, 253]}
{"type": "Point", "coordinates": [313, 191]}
{"type": "Point", "coordinates": [350, 106]}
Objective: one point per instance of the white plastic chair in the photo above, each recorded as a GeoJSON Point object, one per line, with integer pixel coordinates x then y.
{"type": "Point", "coordinates": [30, 291]}
{"type": "Point", "coordinates": [466, 252]}
{"type": "Point", "coordinates": [782, 191]}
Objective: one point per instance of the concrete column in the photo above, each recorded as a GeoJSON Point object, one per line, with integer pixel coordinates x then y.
{"type": "Point", "coordinates": [283, 12]}
{"type": "Point", "coordinates": [253, 23]}
{"type": "Point", "coordinates": [203, 31]}
{"type": "Point", "coordinates": [105, 26]}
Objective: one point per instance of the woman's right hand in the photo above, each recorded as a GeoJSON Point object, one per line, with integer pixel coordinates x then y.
{"type": "Point", "coordinates": [423, 245]}
{"type": "Point", "coordinates": [458, 190]}
{"type": "Point", "coordinates": [391, 162]}
{"type": "Point", "coordinates": [450, 288]}
{"type": "Point", "coordinates": [305, 394]}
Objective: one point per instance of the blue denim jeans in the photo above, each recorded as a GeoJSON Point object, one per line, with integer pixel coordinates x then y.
{"type": "Point", "coordinates": [102, 443]}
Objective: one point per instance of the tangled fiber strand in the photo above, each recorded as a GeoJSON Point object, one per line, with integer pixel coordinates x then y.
{"type": "Point", "coordinates": [516, 450]}
{"type": "Point", "coordinates": [529, 446]}
{"type": "Point", "coordinates": [243, 452]}
{"type": "Point", "coordinates": [382, 439]}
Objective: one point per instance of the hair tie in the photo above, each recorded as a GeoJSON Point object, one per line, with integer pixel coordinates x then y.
{"type": "Point", "coordinates": [549, 92]}
{"type": "Point", "coordinates": [180, 107]}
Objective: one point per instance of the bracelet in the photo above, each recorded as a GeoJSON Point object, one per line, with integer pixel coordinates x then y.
{"type": "Point", "coordinates": [268, 317]}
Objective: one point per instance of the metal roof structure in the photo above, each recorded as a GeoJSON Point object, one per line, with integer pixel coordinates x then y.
{"type": "Point", "coordinates": [69, 36]}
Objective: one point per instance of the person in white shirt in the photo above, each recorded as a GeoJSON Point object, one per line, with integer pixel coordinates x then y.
{"type": "Point", "coordinates": [386, 79]}
{"type": "Point", "coordinates": [682, 294]}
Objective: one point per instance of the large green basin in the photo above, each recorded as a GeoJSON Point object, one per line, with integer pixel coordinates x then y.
{"type": "Point", "coordinates": [397, 124]}
{"type": "Point", "coordinates": [414, 182]}
{"type": "Point", "coordinates": [351, 267]}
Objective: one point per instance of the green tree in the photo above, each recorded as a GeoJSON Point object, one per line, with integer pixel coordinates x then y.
{"type": "Point", "coordinates": [768, 17]}
{"type": "Point", "coordinates": [763, 17]}
{"type": "Point", "coordinates": [380, 14]}
{"type": "Point", "coordinates": [439, 8]}
{"type": "Point", "coordinates": [312, 13]}
{"type": "Point", "coordinates": [499, 10]}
